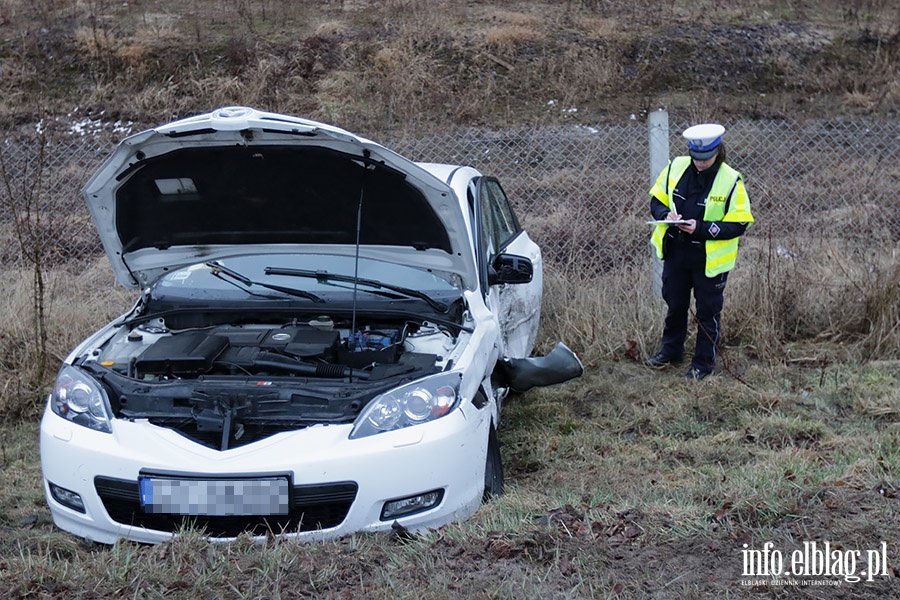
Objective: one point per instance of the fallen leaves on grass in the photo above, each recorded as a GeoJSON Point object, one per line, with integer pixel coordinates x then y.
{"type": "Point", "coordinates": [723, 513]}
{"type": "Point", "coordinates": [575, 523]}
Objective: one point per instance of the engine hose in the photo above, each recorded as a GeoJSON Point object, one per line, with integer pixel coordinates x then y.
{"type": "Point", "coordinates": [330, 370]}
{"type": "Point", "coordinates": [319, 370]}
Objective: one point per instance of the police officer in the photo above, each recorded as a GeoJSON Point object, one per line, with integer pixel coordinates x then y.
{"type": "Point", "coordinates": [707, 205]}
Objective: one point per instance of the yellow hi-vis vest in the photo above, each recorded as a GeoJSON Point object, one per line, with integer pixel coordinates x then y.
{"type": "Point", "coordinates": [727, 201]}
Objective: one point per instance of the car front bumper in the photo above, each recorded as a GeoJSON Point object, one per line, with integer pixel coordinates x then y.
{"type": "Point", "coordinates": [446, 455]}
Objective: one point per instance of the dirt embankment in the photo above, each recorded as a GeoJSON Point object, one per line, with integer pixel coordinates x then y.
{"type": "Point", "coordinates": [377, 66]}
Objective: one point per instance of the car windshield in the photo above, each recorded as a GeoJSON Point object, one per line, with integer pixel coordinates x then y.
{"type": "Point", "coordinates": [263, 269]}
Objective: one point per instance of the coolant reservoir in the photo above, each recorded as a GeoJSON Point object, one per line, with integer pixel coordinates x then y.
{"type": "Point", "coordinates": [126, 345]}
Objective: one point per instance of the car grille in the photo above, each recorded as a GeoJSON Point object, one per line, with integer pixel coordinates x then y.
{"type": "Point", "coordinates": [213, 439]}
{"type": "Point", "coordinates": [314, 507]}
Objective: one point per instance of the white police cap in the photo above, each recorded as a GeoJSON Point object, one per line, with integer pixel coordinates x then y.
{"type": "Point", "coordinates": [703, 140]}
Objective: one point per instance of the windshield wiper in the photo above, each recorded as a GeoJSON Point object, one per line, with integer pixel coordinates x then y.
{"type": "Point", "coordinates": [218, 270]}
{"type": "Point", "coordinates": [326, 276]}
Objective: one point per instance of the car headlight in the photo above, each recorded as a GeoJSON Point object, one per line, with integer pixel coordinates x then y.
{"type": "Point", "coordinates": [418, 402]}
{"type": "Point", "coordinates": [80, 399]}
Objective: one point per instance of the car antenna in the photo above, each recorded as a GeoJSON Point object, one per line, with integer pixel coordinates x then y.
{"type": "Point", "coordinates": [367, 166]}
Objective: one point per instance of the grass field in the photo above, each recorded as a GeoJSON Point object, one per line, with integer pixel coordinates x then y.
{"type": "Point", "coordinates": [627, 483]}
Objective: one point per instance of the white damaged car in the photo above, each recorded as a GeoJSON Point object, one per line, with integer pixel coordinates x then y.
{"type": "Point", "coordinates": [324, 334]}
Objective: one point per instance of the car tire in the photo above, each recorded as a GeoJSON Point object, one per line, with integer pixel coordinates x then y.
{"type": "Point", "coordinates": [493, 468]}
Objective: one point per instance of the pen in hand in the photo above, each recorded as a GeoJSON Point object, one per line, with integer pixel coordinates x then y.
{"type": "Point", "coordinates": [688, 227]}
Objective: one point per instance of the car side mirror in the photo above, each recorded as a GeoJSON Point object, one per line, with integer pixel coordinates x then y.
{"type": "Point", "coordinates": [510, 268]}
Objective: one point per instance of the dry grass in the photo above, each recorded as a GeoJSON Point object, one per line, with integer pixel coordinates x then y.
{"type": "Point", "coordinates": [80, 298]}
{"type": "Point", "coordinates": [96, 42]}
{"type": "Point", "coordinates": [519, 19]}
{"type": "Point", "coordinates": [506, 38]}
{"type": "Point", "coordinates": [332, 28]}
{"type": "Point", "coordinates": [612, 315]}
{"type": "Point", "coordinates": [629, 482]}
{"type": "Point", "coordinates": [483, 62]}
{"type": "Point", "coordinates": [404, 82]}
{"type": "Point", "coordinates": [819, 303]}
{"type": "Point", "coordinates": [601, 28]}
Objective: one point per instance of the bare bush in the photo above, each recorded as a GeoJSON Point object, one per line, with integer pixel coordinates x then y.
{"type": "Point", "coordinates": [22, 198]}
{"type": "Point", "coordinates": [77, 302]}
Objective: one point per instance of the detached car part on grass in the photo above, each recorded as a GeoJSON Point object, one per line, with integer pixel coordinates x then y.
{"type": "Point", "coordinates": [323, 338]}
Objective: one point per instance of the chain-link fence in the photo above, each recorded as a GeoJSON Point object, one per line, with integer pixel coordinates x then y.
{"type": "Point", "coordinates": [580, 191]}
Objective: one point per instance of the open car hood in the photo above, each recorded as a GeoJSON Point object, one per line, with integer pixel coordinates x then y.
{"type": "Point", "coordinates": [240, 181]}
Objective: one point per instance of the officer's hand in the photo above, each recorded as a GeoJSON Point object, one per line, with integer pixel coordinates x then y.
{"type": "Point", "coordinates": [688, 227]}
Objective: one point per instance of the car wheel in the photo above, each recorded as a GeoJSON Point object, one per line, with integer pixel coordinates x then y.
{"type": "Point", "coordinates": [493, 468]}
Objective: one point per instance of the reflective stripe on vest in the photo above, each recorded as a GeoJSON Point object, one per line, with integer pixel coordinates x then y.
{"type": "Point", "coordinates": [720, 254]}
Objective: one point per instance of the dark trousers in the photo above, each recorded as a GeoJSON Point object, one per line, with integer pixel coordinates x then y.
{"type": "Point", "coordinates": [677, 283]}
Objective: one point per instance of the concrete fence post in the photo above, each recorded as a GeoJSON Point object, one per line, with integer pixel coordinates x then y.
{"type": "Point", "coordinates": [658, 138]}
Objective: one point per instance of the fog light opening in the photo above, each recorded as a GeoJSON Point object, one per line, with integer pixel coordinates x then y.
{"type": "Point", "coordinates": [67, 498]}
{"type": "Point", "coordinates": [411, 504]}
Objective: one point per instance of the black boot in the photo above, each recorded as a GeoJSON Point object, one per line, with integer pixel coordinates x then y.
{"type": "Point", "coordinates": [662, 360]}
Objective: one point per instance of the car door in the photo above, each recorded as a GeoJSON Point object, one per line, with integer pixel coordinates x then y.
{"type": "Point", "coordinates": [517, 306]}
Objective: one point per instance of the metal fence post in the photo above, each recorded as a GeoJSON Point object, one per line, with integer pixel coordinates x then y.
{"type": "Point", "coordinates": [658, 138]}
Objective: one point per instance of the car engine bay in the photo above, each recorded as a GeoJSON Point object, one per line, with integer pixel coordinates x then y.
{"type": "Point", "coordinates": [231, 384]}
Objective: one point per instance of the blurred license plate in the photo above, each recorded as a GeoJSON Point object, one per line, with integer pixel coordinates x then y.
{"type": "Point", "coordinates": [215, 497]}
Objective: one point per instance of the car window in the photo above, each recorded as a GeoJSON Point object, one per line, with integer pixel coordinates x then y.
{"type": "Point", "coordinates": [497, 221]}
